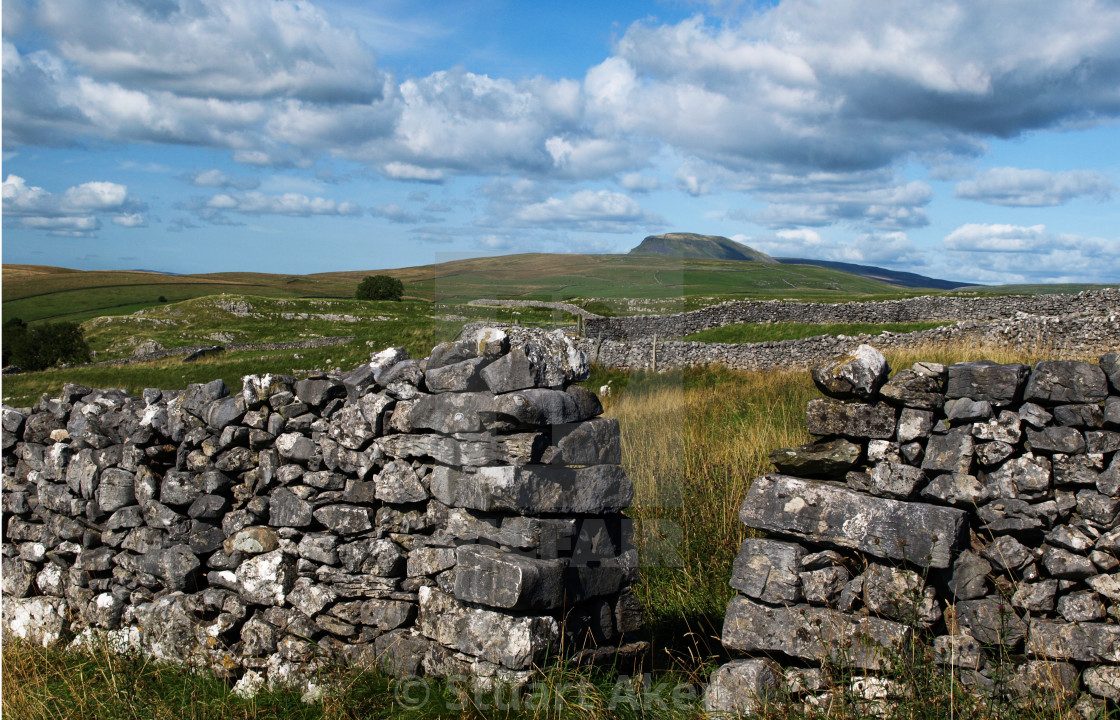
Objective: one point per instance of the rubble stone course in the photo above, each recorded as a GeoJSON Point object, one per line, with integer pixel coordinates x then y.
{"type": "Point", "coordinates": [455, 515]}
{"type": "Point", "coordinates": [996, 532]}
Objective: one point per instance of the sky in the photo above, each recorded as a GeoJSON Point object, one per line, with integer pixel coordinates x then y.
{"type": "Point", "coordinates": [972, 141]}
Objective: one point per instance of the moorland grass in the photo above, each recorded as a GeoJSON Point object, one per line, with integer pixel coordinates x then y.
{"type": "Point", "coordinates": [773, 332]}
{"type": "Point", "coordinates": [692, 443]}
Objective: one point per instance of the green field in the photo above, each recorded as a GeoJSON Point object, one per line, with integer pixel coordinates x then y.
{"type": "Point", "coordinates": [773, 332]}
{"type": "Point", "coordinates": [36, 293]}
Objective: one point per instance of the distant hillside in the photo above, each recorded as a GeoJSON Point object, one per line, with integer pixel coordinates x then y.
{"type": "Point", "coordinates": [895, 277]}
{"type": "Point", "coordinates": [691, 245]}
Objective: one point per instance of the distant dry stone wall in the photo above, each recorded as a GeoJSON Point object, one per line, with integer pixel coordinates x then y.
{"type": "Point", "coordinates": [566, 307]}
{"type": "Point", "coordinates": [976, 504]}
{"type": "Point", "coordinates": [1092, 303]}
{"type": "Point", "coordinates": [457, 515]}
{"type": "Point", "coordinates": [1052, 336]}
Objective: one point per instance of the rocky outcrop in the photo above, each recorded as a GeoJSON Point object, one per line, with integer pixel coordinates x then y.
{"type": "Point", "coordinates": [984, 514]}
{"type": "Point", "coordinates": [455, 515]}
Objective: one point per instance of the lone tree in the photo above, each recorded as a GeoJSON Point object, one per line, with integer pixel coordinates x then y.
{"type": "Point", "coordinates": [380, 287]}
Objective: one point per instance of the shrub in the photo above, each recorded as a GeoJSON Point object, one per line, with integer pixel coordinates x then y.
{"type": "Point", "coordinates": [41, 346]}
{"type": "Point", "coordinates": [380, 287]}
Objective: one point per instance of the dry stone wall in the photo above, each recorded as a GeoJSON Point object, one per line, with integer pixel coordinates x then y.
{"type": "Point", "coordinates": [456, 515]}
{"type": "Point", "coordinates": [1091, 303]}
{"type": "Point", "coordinates": [977, 504]}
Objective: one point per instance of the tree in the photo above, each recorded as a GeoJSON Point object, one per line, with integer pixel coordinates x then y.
{"type": "Point", "coordinates": [380, 287]}
{"type": "Point", "coordinates": [39, 347]}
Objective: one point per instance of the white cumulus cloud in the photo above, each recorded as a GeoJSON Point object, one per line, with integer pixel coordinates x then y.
{"type": "Point", "coordinates": [1017, 187]}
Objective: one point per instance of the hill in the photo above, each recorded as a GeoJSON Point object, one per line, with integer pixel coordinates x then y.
{"type": "Point", "coordinates": [691, 245]}
{"type": "Point", "coordinates": [895, 277]}
{"type": "Point", "coordinates": [43, 293]}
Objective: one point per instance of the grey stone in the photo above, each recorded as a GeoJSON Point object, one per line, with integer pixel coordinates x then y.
{"type": "Point", "coordinates": [516, 642]}
{"type": "Point", "coordinates": [1081, 642]}
{"type": "Point", "coordinates": [961, 650]}
{"type": "Point", "coordinates": [858, 374]}
{"type": "Point", "coordinates": [397, 483]}
{"type": "Point", "coordinates": [591, 442]}
{"type": "Point", "coordinates": [17, 577]}
{"type": "Point", "coordinates": [823, 586]}
{"type": "Point", "coordinates": [1058, 382]}
{"type": "Point", "coordinates": [498, 579]}
{"type": "Point", "coordinates": [743, 687]}
{"type": "Point", "coordinates": [1005, 515]}
{"type": "Point", "coordinates": [350, 429]}
{"type": "Point", "coordinates": [509, 373]}
{"type": "Point", "coordinates": [969, 579]}
{"type": "Point", "coordinates": [826, 416]}
{"type": "Point", "coordinates": [993, 453]}
{"type": "Point", "coordinates": [372, 556]}
{"type": "Point", "coordinates": [1112, 411]}
{"type": "Point", "coordinates": [1064, 565]}
{"type": "Point", "coordinates": [554, 358]}
{"type": "Point", "coordinates": [266, 579]}
{"type": "Point", "coordinates": [316, 392]}
{"type": "Point", "coordinates": [1081, 607]}
{"type": "Point", "coordinates": [1024, 477]}
{"type": "Point", "coordinates": [197, 396]}
{"type": "Point", "coordinates": [985, 380]}
{"type": "Point", "coordinates": [926, 535]}
{"type": "Point", "coordinates": [177, 566]}
{"type": "Point", "coordinates": [598, 489]}
{"type": "Point", "coordinates": [912, 389]}
{"type": "Point", "coordinates": [967, 410]}
{"type": "Point", "coordinates": [319, 547]}
{"type": "Point", "coordinates": [1110, 365]}
{"type": "Point", "coordinates": [1103, 681]}
{"type": "Point", "coordinates": [956, 489]}
{"type": "Point", "coordinates": [898, 594]}
{"type": "Point", "coordinates": [833, 457]}
{"type": "Point", "coordinates": [768, 570]}
{"type": "Point", "coordinates": [1102, 441]}
{"type": "Point", "coordinates": [538, 406]}
{"type": "Point", "coordinates": [468, 449]}
{"type": "Point", "coordinates": [1097, 508]}
{"type": "Point", "coordinates": [1007, 553]}
{"type": "Point", "coordinates": [812, 633]}
{"type": "Point", "coordinates": [447, 412]}
{"type": "Point", "coordinates": [180, 488]}
{"type": "Point", "coordinates": [430, 561]}
{"type": "Point", "coordinates": [225, 412]}
{"type": "Point", "coordinates": [1007, 428]}
{"type": "Point", "coordinates": [991, 621]}
{"type": "Point", "coordinates": [285, 509]}
{"type": "Point", "coordinates": [949, 453]}
{"type": "Point", "coordinates": [1066, 440]}
{"type": "Point", "coordinates": [1035, 597]}
{"type": "Point", "coordinates": [344, 519]}
{"type": "Point", "coordinates": [1082, 416]}
{"type": "Point", "coordinates": [295, 447]}
{"type": "Point", "coordinates": [914, 424]}
{"type": "Point", "coordinates": [1034, 415]}
{"type": "Point", "coordinates": [456, 377]}
{"type": "Point", "coordinates": [115, 490]}
{"type": "Point", "coordinates": [896, 480]}
{"type": "Point", "coordinates": [1108, 482]}
{"type": "Point", "coordinates": [1045, 683]}
{"type": "Point", "coordinates": [40, 620]}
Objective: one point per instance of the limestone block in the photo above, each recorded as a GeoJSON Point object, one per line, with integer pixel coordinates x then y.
{"type": "Point", "coordinates": [742, 687]}
{"type": "Point", "coordinates": [826, 416]}
{"type": "Point", "coordinates": [811, 633]}
{"type": "Point", "coordinates": [491, 577]}
{"type": "Point", "coordinates": [985, 380]}
{"type": "Point", "coordinates": [768, 570]}
{"type": "Point", "coordinates": [834, 457]}
{"type": "Point", "coordinates": [598, 489]}
{"type": "Point", "coordinates": [1058, 382]}
{"type": "Point", "coordinates": [858, 374]}
{"type": "Point", "coordinates": [819, 512]}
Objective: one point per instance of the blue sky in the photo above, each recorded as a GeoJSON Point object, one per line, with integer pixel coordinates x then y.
{"type": "Point", "coordinates": [964, 140]}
